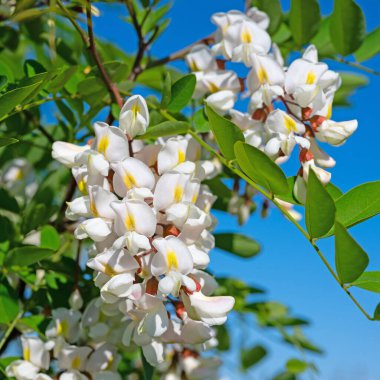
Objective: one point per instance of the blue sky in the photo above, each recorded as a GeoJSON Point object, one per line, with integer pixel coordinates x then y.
{"type": "Point", "coordinates": [288, 268]}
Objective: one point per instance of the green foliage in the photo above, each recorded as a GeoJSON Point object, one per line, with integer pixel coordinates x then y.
{"type": "Point", "coordinates": [4, 141]}
{"type": "Point", "coordinates": [347, 26]}
{"type": "Point", "coordinates": [181, 93]}
{"type": "Point", "coordinates": [296, 366]}
{"type": "Point", "coordinates": [304, 18]}
{"type": "Point", "coordinates": [358, 204]}
{"type": "Point", "coordinates": [27, 255]}
{"type": "Point", "coordinates": [320, 207]}
{"type": "Point", "coordinates": [260, 168]}
{"type": "Point", "coordinates": [226, 133]}
{"type": "Point", "coordinates": [369, 281]}
{"type": "Point", "coordinates": [273, 9]}
{"type": "Point", "coordinates": [166, 128]}
{"type": "Point", "coordinates": [350, 258]}
{"type": "Point", "coordinates": [237, 244]}
{"type": "Point", "coordinates": [252, 356]}
{"type": "Point", "coordinates": [9, 306]}
{"type": "Point", "coordinates": [370, 46]}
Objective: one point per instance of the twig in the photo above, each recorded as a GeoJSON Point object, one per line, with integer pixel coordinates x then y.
{"type": "Point", "coordinates": [113, 90]}
{"type": "Point", "coordinates": [72, 20]}
{"type": "Point", "coordinates": [9, 330]}
{"type": "Point", "coordinates": [180, 53]}
{"type": "Point", "coordinates": [230, 165]}
{"type": "Point", "coordinates": [356, 65]}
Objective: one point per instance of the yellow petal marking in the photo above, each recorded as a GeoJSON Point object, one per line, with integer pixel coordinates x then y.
{"type": "Point", "coordinates": [193, 65]}
{"type": "Point", "coordinates": [212, 87]}
{"type": "Point", "coordinates": [181, 156]}
{"type": "Point", "coordinates": [19, 175]}
{"type": "Point", "coordinates": [329, 111]}
{"type": "Point", "coordinates": [103, 144]}
{"type": "Point", "coordinates": [129, 180]}
{"type": "Point", "coordinates": [311, 77]}
{"type": "Point", "coordinates": [136, 109]}
{"type": "Point", "coordinates": [62, 327]}
{"type": "Point", "coordinates": [26, 353]}
{"type": "Point", "coordinates": [75, 364]}
{"type": "Point", "coordinates": [263, 75]}
{"type": "Point", "coordinates": [82, 186]}
{"type": "Point", "coordinates": [290, 124]}
{"type": "Point", "coordinates": [178, 193]}
{"type": "Point", "coordinates": [130, 222]}
{"type": "Point", "coordinates": [109, 271]}
{"type": "Point", "coordinates": [246, 36]}
{"type": "Point", "coordinates": [194, 198]}
{"type": "Point", "coordinates": [172, 260]}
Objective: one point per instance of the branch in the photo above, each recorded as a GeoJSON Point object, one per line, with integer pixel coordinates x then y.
{"type": "Point", "coordinates": [113, 90]}
{"type": "Point", "coordinates": [73, 21]}
{"type": "Point", "coordinates": [356, 65]}
{"type": "Point", "coordinates": [180, 54]}
{"type": "Point", "coordinates": [230, 165]}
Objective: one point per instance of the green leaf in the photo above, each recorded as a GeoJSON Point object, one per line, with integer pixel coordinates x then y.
{"type": "Point", "coordinates": [296, 366]}
{"type": "Point", "coordinates": [226, 133]}
{"type": "Point", "coordinates": [376, 313]}
{"type": "Point", "coordinates": [166, 91]}
{"type": "Point", "coordinates": [369, 281]}
{"type": "Point", "coordinates": [4, 141]}
{"type": "Point", "coordinates": [7, 202]}
{"type": "Point", "coordinates": [347, 26]}
{"type": "Point", "coordinates": [322, 39]}
{"type": "Point", "coordinates": [350, 83]}
{"type": "Point", "coordinates": [13, 98]}
{"type": "Point", "coordinates": [273, 9]}
{"type": "Point", "coordinates": [36, 323]}
{"type": "Point", "coordinates": [200, 122]}
{"type": "Point", "coordinates": [239, 245]}
{"type": "Point", "coordinates": [304, 18]}
{"type": "Point", "coordinates": [223, 338]}
{"type": "Point", "coordinates": [50, 238]}
{"type": "Point", "coordinates": [181, 93]}
{"type": "Point", "coordinates": [358, 204]}
{"type": "Point", "coordinates": [3, 81]}
{"type": "Point", "coordinates": [370, 46]}
{"type": "Point", "coordinates": [334, 191]}
{"type": "Point", "coordinates": [147, 368]}
{"type": "Point", "coordinates": [9, 307]}
{"type": "Point", "coordinates": [251, 356]}
{"type": "Point", "coordinates": [167, 128]}
{"type": "Point", "coordinates": [261, 169]}
{"type": "Point", "coordinates": [27, 255]}
{"type": "Point", "coordinates": [320, 207]}
{"type": "Point", "coordinates": [350, 258]}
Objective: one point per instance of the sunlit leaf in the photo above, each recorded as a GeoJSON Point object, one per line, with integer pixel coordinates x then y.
{"type": "Point", "coordinates": [240, 245]}
{"type": "Point", "coordinates": [350, 258]}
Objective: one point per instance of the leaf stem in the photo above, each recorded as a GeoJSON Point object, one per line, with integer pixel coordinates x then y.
{"type": "Point", "coordinates": [10, 328]}
{"type": "Point", "coordinates": [285, 212]}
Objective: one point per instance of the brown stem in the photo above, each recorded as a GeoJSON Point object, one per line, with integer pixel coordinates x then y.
{"type": "Point", "coordinates": [112, 89]}
{"type": "Point", "coordinates": [180, 53]}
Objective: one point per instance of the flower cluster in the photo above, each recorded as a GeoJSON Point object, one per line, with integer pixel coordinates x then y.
{"type": "Point", "coordinates": [148, 214]}
{"type": "Point", "coordinates": [288, 106]}
{"type": "Point", "coordinates": [80, 346]}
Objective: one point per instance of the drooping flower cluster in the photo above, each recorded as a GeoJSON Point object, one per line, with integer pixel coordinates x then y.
{"type": "Point", "coordinates": [288, 106]}
{"type": "Point", "coordinates": [148, 215]}
{"type": "Point", "coordinates": [80, 346]}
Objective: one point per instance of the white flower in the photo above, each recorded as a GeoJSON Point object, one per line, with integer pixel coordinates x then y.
{"type": "Point", "coordinates": [22, 370]}
{"type": "Point", "coordinates": [133, 215]}
{"type": "Point", "coordinates": [134, 116]}
{"type": "Point", "coordinates": [74, 357]}
{"type": "Point", "coordinates": [96, 229]}
{"type": "Point", "coordinates": [211, 310]}
{"type": "Point", "coordinates": [336, 133]}
{"type": "Point", "coordinates": [200, 58]}
{"type": "Point", "coordinates": [65, 323]}
{"type": "Point", "coordinates": [111, 142]}
{"type": "Point", "coordinates": [65, 152]}
{"type": "Point", "coordinates": [131, 173]}
{"type": "Point", "coordinates": [244, 38]}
